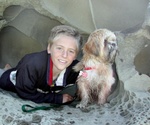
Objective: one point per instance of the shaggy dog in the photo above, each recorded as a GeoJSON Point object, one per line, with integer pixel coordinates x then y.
{"type": "Point", "coordinates": [96, 74]}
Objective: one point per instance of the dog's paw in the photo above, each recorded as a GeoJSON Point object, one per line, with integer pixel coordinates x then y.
{"type": "Point", "coordinates": [101, 101]}
{"type": "Point", "coordinates": [81, 106]}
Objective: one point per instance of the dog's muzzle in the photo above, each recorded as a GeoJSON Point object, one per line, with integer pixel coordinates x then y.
{"type": "Point", "coordinates": [112, 46]}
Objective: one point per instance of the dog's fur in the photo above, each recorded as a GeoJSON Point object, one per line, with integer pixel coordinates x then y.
{"type": "Point", "coordinates": [96, 74]}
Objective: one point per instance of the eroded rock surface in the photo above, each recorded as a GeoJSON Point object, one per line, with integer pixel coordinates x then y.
{"type": "Point", "coordinates": [26, 30]}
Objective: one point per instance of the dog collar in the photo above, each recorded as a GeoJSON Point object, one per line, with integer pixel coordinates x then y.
{"type": "Point", "coordinates": [89, 68]}
{"type": "Point", "coordinates": [84, 73]}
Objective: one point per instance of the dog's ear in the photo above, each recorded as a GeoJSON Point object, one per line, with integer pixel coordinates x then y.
{"type": "Point", "coordinates": [91, 46]}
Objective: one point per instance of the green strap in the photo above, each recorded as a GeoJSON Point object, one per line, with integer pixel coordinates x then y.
{"type": "Point", "coordinates": [29, 108]}
{"type": "Point", "coordinates": [71, 90]}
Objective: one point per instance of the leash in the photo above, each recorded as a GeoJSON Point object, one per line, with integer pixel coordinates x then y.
{"type": "Point", "coordinates": [29, 108]}
{"type": "Point", "coordinates": [71, 90]}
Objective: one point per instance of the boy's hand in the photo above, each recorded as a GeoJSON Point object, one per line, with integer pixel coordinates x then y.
{"type": "Point", "coordinates": [67, 98]}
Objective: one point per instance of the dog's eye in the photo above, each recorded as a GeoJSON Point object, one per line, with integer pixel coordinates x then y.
{"type": "Point", "coordinates": [105, 42]}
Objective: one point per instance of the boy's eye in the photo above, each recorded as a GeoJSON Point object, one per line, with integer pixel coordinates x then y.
{"type": "Point", "coordinates": [72, 51]}
{"type": "Point", "coordinates": [59, 48]}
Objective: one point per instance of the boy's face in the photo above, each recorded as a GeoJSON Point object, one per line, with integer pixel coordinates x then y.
{"type": "Point", "coordinates": [63, 51]}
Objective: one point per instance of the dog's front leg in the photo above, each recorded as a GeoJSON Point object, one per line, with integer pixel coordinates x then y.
{"type": "Point", "coordinates": [103, 93]}
{"type": "Point", "coordinates": [84, 95]}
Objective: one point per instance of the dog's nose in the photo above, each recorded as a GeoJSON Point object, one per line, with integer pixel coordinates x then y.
{"type": "Point", "coordinates": [113, 46]}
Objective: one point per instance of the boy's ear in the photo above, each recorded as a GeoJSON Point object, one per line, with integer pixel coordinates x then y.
{"type": "Point", "coordinates": [48, 49]}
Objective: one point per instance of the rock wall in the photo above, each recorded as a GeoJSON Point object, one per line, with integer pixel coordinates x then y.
{"type": "Point", "coordinates": [26, 31]}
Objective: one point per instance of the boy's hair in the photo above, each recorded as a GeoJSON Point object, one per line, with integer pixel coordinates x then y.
{"type": "Point", "coordinates": [65, 30]}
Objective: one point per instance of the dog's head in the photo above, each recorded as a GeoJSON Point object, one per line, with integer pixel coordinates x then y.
{"type": "Point", "coordinates": [102, 44]}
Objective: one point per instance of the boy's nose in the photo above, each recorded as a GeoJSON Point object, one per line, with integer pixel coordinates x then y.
{"type": "Point", "coordinates": [64, 54]}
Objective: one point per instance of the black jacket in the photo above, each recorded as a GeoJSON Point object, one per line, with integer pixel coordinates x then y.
{"type": "Point", "coordinates": [31, 78]}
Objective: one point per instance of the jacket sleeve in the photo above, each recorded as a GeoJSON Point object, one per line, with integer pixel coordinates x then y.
{"type": "Point", "coordinates": [27, 83]}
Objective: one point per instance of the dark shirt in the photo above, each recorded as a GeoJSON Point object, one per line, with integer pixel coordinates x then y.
{"type": "Point", "coordinates": [32, 75]}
